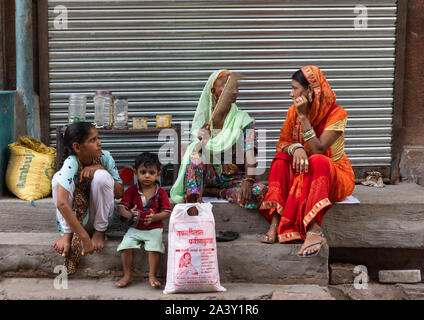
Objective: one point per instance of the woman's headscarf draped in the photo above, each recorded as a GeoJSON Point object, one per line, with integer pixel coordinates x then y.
{"type": "Point", "coordinates": [324, 96]}
{"type": "Point", "coordinates": [234, 124]}
{"type": "Point", "coordinates": [322, 107]}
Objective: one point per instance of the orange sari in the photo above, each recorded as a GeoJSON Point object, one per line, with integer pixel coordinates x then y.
{"type": "Point", "coordinates": [301, 198]}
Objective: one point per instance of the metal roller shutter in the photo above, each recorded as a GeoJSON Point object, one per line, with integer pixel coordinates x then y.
{"type": "Point", "coordinates": [160, 54]}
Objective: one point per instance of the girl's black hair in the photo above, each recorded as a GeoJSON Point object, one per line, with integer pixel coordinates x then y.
{"type": "Point", "coordinates": [75, 132]}
{"type": "Point", "coordinates": [299, 77]}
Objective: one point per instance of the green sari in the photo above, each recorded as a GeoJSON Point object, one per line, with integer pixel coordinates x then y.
{"type": "Point", "coordinates": [234, 123]}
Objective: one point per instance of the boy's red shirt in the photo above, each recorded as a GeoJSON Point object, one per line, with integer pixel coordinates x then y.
{"type": "Point", "coordinates": [158, 203]}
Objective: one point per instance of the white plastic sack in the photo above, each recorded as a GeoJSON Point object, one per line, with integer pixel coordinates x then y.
{"type": "Point", "coordinates": [192, 257]}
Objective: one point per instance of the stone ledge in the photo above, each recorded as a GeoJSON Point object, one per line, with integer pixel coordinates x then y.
{"type": "Point", "coordinates": [399, 276]}
{"type": "Point", "coordinates": [390, 217]}
{"type": "Point", "coordinates": [104, 289]}
{"type": "Point", "coordinates": [242, 260]}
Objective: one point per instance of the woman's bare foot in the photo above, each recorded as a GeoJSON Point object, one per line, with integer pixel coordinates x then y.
{"type": "Point", "coordinates": [310, 239]}
{"type": "Point", "coordinates": [154, 282]}
{"type": "Point", "coordinates": [63, 245]}
{"type": "Point", "coordinates": [124, 281]}
{"type": "Point", "coordinates": [98, 240]}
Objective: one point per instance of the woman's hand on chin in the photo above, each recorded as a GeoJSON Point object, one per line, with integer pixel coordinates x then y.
{"type": "Point", "coordinates": [301, 103]}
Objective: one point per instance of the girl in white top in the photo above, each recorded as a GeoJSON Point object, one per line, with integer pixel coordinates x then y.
{"type": "Point", "coordinates": [82, 146]}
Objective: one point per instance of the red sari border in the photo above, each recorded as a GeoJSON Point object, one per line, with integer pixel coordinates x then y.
{"type": "Point", "coordinates": [289, 236]}
{"type": "Point", "coordinates": [315, 210]}
{"type": "Point", "coordinates": [272, 205]}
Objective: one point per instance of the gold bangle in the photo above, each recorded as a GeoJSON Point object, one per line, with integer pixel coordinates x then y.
{"type": "Point", "coordinates": [309, 137]}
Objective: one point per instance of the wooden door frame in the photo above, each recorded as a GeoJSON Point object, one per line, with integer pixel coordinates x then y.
{"type": "Point", "coordinates": [398, 96]}
{"type": "Point", "coordinates": [43, 68]}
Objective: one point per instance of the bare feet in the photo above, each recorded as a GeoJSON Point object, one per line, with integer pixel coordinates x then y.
{"type": "Point", "coordinates": [98, 240]}
{"type": "Point", "coordinates": [154, 282]}
{"type": "Point", "coordinates": [124, 281]}
{"type": "Point", "coordinates": [63, 245]}
{"type": "Point", "coordinates": [310, 239]}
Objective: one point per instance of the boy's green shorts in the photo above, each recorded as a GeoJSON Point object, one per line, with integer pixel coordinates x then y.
{"type": "Point", "coordinates": [152, 240]}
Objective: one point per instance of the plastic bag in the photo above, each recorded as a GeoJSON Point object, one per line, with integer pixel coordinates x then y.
{"type": "Point", "coordinates": [192, 256]}
{"type": "Point", "coordinates": [31, 168]}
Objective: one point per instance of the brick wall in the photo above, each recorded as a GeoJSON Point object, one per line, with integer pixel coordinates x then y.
{"type": "Point", "coordinates": [412, 159]}
{"type": "Point", "coordinates": [413, 112]}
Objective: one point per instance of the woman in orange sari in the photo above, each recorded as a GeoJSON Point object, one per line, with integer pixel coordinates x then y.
{"type": "Point", "coordinates": [310, 170]}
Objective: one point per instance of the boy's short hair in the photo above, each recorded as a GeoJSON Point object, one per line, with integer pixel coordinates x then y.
{"type": "Point", "coordinates": [147, 159]}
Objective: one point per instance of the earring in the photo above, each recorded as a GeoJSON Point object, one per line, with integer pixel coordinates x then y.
{"type": "Point", "coordinates": [310, 97]}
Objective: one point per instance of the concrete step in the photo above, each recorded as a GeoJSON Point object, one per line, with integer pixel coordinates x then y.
{"type": "Point", "coordinates": [19, 216]}
{"type": "Point", "coordinates": [390, 217]}
{"type": "Point", "coordinates": [104, 289]}
{"type": "Point", "coordinates": [242, 260]}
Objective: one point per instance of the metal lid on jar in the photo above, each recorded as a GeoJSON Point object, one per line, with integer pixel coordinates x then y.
{"type": "Point", "coordinates": [77, 95]}
{"type": "Point", "coordinates": [103, 92]}
{"type": "Point", "coordinates": [120, 97]}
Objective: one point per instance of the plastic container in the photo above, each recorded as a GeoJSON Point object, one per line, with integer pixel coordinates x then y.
{"type": "Point", "coordinates": [120, 112]}
{"type": "Point", "coordinates": [77, 108]}
{"type": "Point", "coordinates": [103, 109]}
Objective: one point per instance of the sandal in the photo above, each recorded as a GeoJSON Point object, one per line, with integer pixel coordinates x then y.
{"type": "Point", "coordinates": [266, 238]}
{"type": "Point", "coordinates": [223, 236]}
{"type": "Point", "coordinates": [321, 243]}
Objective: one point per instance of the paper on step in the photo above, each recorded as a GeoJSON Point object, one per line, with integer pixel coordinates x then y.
{"type": "Point", "coordinates": [349, 200]}
{"type": "Point", "coordinates": [214, 199]}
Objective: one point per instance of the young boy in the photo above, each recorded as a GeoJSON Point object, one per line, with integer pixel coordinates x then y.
{"type": "Point", "coordinates": [145, 205]}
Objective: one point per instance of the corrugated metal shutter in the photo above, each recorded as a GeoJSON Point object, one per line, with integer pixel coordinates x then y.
{"type": "Point", "coordinates": [160, 54]}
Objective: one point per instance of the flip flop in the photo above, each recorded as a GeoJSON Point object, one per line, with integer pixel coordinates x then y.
{"type": "Point", "coordinates": [266, 238]}
{"type": "Point", "coordinates": [223, 236]}
{"type": "Point", "coordinates": [315, 253]}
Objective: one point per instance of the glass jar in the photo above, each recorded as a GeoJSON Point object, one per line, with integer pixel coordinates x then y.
{"type": "Point", "coordinates": [120, 112]}
{"type": "Point", "coordinates": [103, 109]}
{"type": "Point", "coordinates": [76, 108]}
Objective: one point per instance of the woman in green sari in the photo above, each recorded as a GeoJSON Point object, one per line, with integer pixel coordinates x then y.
{"type": "Point", "coordinates": [229, 134]}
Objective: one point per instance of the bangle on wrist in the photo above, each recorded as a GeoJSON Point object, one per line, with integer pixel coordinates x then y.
{"type": "Point", "coordinates": [292, 148]}
{"type": "Point", "coordinates": [304, 131]}
{"type": "Point", "coordinates": [308, 134]}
